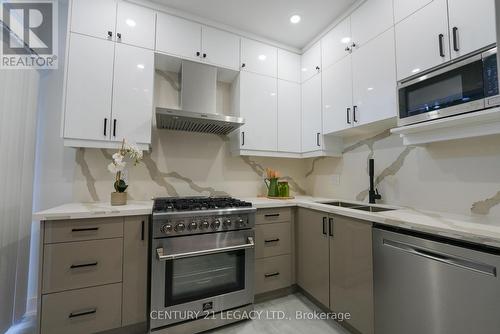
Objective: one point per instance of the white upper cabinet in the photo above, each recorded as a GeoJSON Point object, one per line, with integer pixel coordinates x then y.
{"type": "Point", "coordinates": [135, 25]}
{"type": "Point", "coordinates": [422, 40]}
{"type": "Point", "coordinates": [178, 37]}
{"type": "Point", "coordinates": [472, 25]}
{"type": "Point", "coordinates": [259, 58]}
{"type": "Point", "coordinates": [289, 118]}
{"type": "Point", "coordinates": [220, 48]}
{"type": "Point", "coordinates": [311, 115]}
{"type": "Point", "coordinates": [132, 94]}
{"type": "Point", "coordinates": [335, 42]}
{"type": "Point", "coordinates": [258, 106]}
{"type": "Point", "coordinates": [370, 20]}
{"type": "Point", "coordinates": [94, 18]}
{"type": "Point", "coordinates": [311, 62]}
{"type": "Point", "coordinates": [337, 96]}
{"type": "Point", "coordinates": [374, 80]}
{"type": "Point", "coordinates": [88, 88]}
{"type": "Point", "coordinates": [288, 66]}
{"type": "Point", "coordinates": [404, 8]}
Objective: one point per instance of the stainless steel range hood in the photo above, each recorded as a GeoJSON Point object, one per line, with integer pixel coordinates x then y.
{"type": "Point", "coordinates": [198, 104]}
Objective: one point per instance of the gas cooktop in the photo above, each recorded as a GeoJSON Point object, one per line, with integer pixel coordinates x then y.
{"type": "Point", "coordinates": [179, 204]}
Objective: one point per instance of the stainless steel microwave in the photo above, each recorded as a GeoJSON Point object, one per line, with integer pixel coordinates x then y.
{"type": "Point", "coordinates": [467, 85]}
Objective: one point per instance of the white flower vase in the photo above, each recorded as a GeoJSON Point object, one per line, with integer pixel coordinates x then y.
{"type": "Point", "coordinates": [118, 198]}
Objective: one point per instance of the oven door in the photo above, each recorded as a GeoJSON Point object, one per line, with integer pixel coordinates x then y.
{"type": "Point", "coordinates": [452, 90]}
{"type": "Point", "coordinates": [200, 273]}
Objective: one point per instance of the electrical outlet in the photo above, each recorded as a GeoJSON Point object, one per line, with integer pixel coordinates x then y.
{"type": "Point", "coordinates": [336, 179]}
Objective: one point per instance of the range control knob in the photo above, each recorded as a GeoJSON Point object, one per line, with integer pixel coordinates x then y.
{"type": "Point", "coordinates": [227, 223]}
{"type": "Point", "coordinates": [240, 222]}
{"type": "Point", "coordinates": [180, 227]}
{"type": "Point", "coordinates": [167, 228]}
{"type": "Point", "coordinates": [204, 225]}
{"type": "Point", "coordinates": [192, 226]}
{"type": "Point", "coordinates": [215, 224]}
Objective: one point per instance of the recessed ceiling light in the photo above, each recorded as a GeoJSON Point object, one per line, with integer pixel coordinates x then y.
{"type": "Point", "coordinates": [140, 66]}
{"type": "Point", "coordinates": [345, 40]}
{"type": "Point", "coordinates": [130, 22]}
{"type": "Point", "coordinates": [262, 57]}
{"type": "Point", "coordinates": [295, 19]}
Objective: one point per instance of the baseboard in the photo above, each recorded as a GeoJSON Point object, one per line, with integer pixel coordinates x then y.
{"type": "Point", "coordinates": [262, 297]}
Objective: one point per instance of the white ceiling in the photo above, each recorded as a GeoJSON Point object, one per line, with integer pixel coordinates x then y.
{"type": "Point", "coordinates": [268, 18]}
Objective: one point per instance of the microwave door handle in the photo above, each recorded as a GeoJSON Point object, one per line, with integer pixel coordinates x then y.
{"type": "Point", "coordinates": [162, 257]}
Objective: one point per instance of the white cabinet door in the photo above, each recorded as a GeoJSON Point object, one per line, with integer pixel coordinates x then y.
{"type": "Point", "coordinates": [132, 94]}
{"type": "Point", "coordinates": [370, 20]}
{"type": "Point", "coordinates": [288, 66]}
{"type": "Point", "coordinates": [404, 8]}
{"type": "Point", "coordinates": [374, 80]}
{"type": "Point", "coordinates": [311, 115]}
{"type": "Point", "coordinates": [88, 88]}
{"type": "Point", "coordinates": [258, 106]}
{"type": "Point", "coordinates": [259, 58]}
{"type": "Point", "coordinates": [337, 96]}
{"type": "Point", "coordinates": [220, 48]}
{"type": "Point", "coordinates": [178, 37]}
{"type": "Point", "coordinates": [311, 62]}
{"type": "Point", "coordinates": [334, 44]}
{"type": "Point", "coordinates": [418, 40]}
{"type": "Point", "coordinates": [135, 25]}
{"type": "Point", "coordinates": [472, 25]}
{"type": "Point", "coordinates": [94, 17]}
{"type": "Point", "coordinates": [289, 118]}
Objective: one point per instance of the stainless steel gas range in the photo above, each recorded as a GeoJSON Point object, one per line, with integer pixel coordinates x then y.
{"type": "Point", "coordinates": [202, 263]}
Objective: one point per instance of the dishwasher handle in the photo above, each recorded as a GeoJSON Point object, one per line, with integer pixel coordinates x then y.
{"type": "Point", "coordinates": [162, 257]}
{"type": "Point", "coordinates": [443, 258]}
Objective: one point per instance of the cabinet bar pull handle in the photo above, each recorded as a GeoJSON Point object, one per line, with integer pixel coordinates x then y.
{"type": "Point", "coordinates": [317, 139]}
{"type": "Point", "coordinates": [272, 240]}
{"type": "Point", "coordinates": [119, 35]}
{"type": "Point", "coordinates": [271, 274]}
{"type": "Point", "coordinates": [75, 266]}
{"type": "Point", "coordinates": [354, 109]}
{"type": "Point", "coordinates": [243, 138]}
{"type": "Point", "coordinates": [86, 229]}
{"type": "Point", "coordinates": [272, 215]}
{"type": "Point", "coordinates": [441, 46]}
{"type": "Point", "coordinates": [348, 111]}
{"type": "Point", "coordinates": [197, 53]}
{"type": "Point", "coordinates": [142, 230]}
{"type": "Point", "coordinates": [105, 126]}
{"type": "Point", "coordinates": [324, 225]}
{"type": "Point", "coordinates": [114, 127]}
{"type": "Point", "coordinates": [110, 34]}
{"type": "Point", "coordinates": [330, 227]}
{"type": "Point", "coordinates": [243, 65]}
{"type": "Point", "coordinates": [455, 39]}
{"type": "Point", "coordinates": [204, 55]}
{"type": "Point", "coordinates": [82, 313]}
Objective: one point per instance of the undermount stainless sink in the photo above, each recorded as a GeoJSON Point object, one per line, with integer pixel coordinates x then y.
{"type": "Point", "coordinates": [357, 206]}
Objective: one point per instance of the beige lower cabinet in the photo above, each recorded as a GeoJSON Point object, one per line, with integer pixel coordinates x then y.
{"type": "Point", "coordinates": [93, 274]}
{"type": "Point", "coordinates": [312, 254]}
{"type": "Point", "coordinates": [334, 264]}
{"type": "Point", "coordinates": [351, 271]}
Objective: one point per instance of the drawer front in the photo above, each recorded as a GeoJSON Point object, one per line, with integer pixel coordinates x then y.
{"type": "Point", "coordinates": [278, 215]}
{"type": "Point", "coordinates": [273, 273]}
{"type": "Point", "coordinates": [83, 229]}
{"type": "Point", "coordinates": [272, 240]}
{"type": "Point", "coordinates": [82, 311]}
{"type": "Point", "coordinates": [81, 264]}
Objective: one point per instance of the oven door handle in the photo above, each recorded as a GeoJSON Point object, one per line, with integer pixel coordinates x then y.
{"type": "Point", "coordinates": [163, 257]}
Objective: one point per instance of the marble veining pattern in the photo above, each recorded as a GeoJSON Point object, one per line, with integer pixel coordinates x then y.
{"type": "Point", "coordinates": [483, 207]}
{"type": "Point", "coordinates": [84, 167]}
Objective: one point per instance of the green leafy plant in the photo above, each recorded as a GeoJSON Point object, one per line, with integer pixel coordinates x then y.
{"type": "Point", "coordinates": [117, 166]}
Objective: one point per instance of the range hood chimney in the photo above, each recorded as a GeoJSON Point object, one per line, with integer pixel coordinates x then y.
{"type": "Point", "coordinates": [198, 104]}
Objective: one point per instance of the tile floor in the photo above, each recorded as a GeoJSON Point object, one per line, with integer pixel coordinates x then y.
{"type": "Point", "coordinates": [289, 304]}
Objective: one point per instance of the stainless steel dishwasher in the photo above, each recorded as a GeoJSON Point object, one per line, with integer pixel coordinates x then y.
{"type": "Point", "coordinates": [429, 285]}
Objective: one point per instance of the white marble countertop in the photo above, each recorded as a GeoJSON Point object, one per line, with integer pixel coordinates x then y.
{"type": "Point", "coordinates": [94, 210]}
{"type": "Point", "coordinates": [478, 229]}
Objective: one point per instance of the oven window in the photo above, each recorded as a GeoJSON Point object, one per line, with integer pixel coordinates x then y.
{"type": "Point", "coordinates": [458, 86]}
{"type": "Point", "coordinates": [199, 277]}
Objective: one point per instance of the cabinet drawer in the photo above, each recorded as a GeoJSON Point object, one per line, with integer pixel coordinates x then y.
{"type": "Point", "coordinates": [82, 311]}
{"type": "Point", "coordinates": [272, 240]}
{"type": "Point", "coordinates": [81, 264]}
{"type": "Point", "coordinates": [83, 229]}
{"type": "Point", "coordinates": [273, 273]}
{"type": "Point", "coordinates": [277, 215]}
